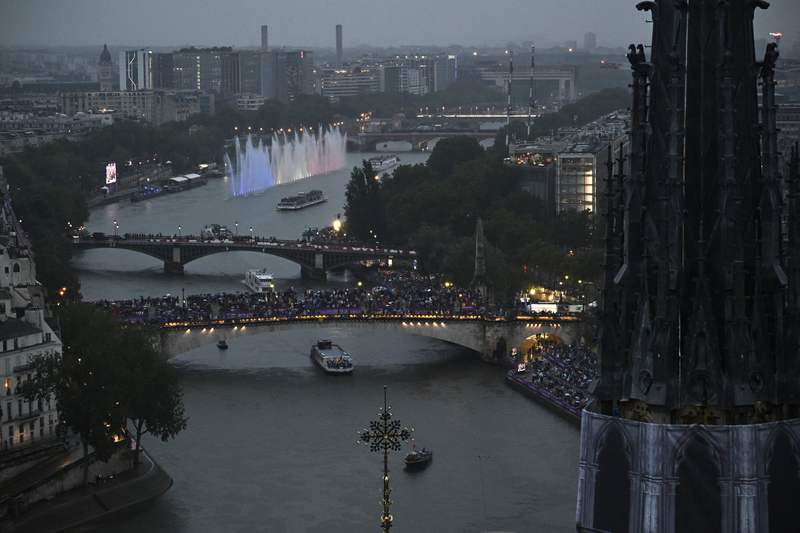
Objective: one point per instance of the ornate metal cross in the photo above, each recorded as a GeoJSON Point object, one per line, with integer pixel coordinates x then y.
{"type": "Point", "coordinates": [385, 435]}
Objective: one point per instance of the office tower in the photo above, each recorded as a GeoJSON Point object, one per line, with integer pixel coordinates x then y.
{"type": "Point", "coordinates": [134, 70]}
{"type": "Point", "coordinates": [288, 74]}
{"type": "Point", "coordinates": [590, 41]}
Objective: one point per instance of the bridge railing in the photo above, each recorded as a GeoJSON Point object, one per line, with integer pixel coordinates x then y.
{"type": "Point", "coordinates": [240, 242]}
{"type": "Point", "coordinates": [177, 322]}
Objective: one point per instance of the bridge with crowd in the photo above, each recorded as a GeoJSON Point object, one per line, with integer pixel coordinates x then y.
{"type": "Point", "coordinates": [315, 259]}
{"type": "Point", "coordinates": [486, 334]}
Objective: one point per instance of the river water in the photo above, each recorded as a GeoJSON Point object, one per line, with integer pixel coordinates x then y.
{"type": "Point", "coordinates": [271, 443]}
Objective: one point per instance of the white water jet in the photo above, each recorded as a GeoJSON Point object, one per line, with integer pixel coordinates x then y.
{"type": "Point", "coordinates": [259, 166]}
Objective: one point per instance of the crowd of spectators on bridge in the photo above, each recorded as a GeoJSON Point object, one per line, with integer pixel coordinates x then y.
{"type": "Point", "coordinates": [402, 294]}
{"type": "Point", "coordinates": [330, 237]}
{"type": "Point", "coordinates": [562, 372]}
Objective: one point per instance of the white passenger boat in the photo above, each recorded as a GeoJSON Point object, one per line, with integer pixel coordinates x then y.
{"type": "Point", "coordinates": [258, 280]}
{"type": "Point", "coordinates": [383, 162]}
{"type": "Point", "coordinates": [331, 358]}
{"type": "Point", "coordinates": [301, 200]}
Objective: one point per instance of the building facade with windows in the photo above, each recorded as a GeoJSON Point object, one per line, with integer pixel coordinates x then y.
{"type": "Point", "coordinates": [134, 70]}
{"type": "Point", "coordinates": [140, 105]}
{"type": "Point", "coordinates": [25, 333]}
{"type": "Point", "coordinates": [349, 82]}
{"type": "Point", "coordinates": [31, 131]}
{"type": "Point", "coordinates": [197, 71]}
{"type": "Point", "coordinates": [580, 171]}
{"type": "Point", "coordinates": [145, 106]}
{"type": "Point", "coordinates": [568, 169]}
{"type": "Point", "coordinates": [287, 74]}
{"type": "Point", "coordinates": [249, 102]}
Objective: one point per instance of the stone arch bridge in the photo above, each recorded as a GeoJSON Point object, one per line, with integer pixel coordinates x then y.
{"type": "Point", "coordinates": [417, 139]}
{"type": "Point", "coordinates": [491, 337]}
{"type": "Point", "coordinates": [315, 260]}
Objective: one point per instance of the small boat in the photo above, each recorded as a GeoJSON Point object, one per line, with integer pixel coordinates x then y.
{"type": "Point", "coordinates": [417, 459]}
{"type": "Point", "coordinates": [222, 345]}
{"type": "Point", "coordinates": [258, 280]}
{"type": "Point", "coordinates": [331, 358]}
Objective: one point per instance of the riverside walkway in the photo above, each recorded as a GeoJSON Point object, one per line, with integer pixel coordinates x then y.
{"type": "Point", "coordinates": [81, 506]}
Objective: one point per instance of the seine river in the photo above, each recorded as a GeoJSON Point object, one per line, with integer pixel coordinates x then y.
{"type": "Point", "coordinates": [271, 443]}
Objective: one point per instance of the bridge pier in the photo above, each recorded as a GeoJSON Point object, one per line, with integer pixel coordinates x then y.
{"type": "Point", "coordinates": [318, 274]}
{"type": "Point", "coordinates": [173, 267]}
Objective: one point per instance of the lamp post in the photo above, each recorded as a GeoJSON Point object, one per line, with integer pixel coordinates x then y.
{"type": "Point", "coordinates": [237, 229]}
{"type": "Point", "coordinates": [384, 435]}
{"type": "Point", "coordinates": [251, 233]}
{"type": "Point", "coordinates": [116, 227]}
{"type": "Point", "coordinates": [179, 234]}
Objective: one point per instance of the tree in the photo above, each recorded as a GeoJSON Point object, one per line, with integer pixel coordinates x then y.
{"type": "Point", "coordinates": [432, 244]}
{"type": "Point", "coordinates": [152, 398]}
{"type": "Point", "coordinates": [82, 380]}
{"type": "Point", "coordinates": [108, 373]}
{"type": "Point", "coordinates": [363, 208]}
{"type": "Point", "coordinates": [574, 230]}
{"type": "Point", "coordinates": [447, 153]}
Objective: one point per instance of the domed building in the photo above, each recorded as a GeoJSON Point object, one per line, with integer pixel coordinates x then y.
{"type": "Point", "coordinates": [106, 70]}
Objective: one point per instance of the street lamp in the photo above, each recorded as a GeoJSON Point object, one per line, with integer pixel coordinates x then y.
{"type": "Point", "coordinates": [115, 228]}
{"type": "Point", "coordinates": [383, 436]}
{"type": "Point", "coordinates": [251, 233]}
{"type": "Point", "coordinates": [179, 233]}
{"type": "Point", "coordinates": [237, 229]}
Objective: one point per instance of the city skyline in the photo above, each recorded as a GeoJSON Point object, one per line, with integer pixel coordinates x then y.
{"type": "Point", "coordinates": [39, 23]}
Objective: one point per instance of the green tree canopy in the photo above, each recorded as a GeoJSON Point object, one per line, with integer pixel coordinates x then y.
{"type": "Point", "coordinates": [108, 372]}
{"type": "Point", "coordinates": [452, 151]}
{"type": "Point", "coordinates": [364, 205]}
{"type": "Point", "coordinates": [82, 380]}
{"type": "Point", "coordinates": [152, 398]}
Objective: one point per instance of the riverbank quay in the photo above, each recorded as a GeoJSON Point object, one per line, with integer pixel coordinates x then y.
{"type": "Point", "coordinates": [84, 506]}
{"type": "Point", "coordinates": [543, 398]}
{"type": "Point", "coordinates": [557, 378]}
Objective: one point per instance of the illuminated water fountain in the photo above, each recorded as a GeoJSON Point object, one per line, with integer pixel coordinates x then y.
{"type": "Point", "coordinates": [259, 166]}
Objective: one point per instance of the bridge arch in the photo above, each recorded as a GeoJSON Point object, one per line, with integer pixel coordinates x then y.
{"type": "Point", "coordinates": [314, 259]}
{"type": "Point", "coordinates": [483, 335]}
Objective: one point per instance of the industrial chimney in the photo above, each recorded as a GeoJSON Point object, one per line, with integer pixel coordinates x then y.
{"type": "Point", "coordinates": [338, 46]}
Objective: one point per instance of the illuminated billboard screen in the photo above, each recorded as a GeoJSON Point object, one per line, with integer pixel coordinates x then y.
{"type": "Point", "coordinates": [111, 173]}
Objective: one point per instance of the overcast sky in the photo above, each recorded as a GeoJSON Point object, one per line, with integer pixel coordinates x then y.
{"type": "Point", "coordinates": [311, 23]}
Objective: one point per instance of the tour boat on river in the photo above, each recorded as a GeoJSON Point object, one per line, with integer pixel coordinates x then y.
{"type": "Point", "coordinates": [303, 199]}
{"type": "Point", "coordinates": [417, 459]}
{"type": "Point", "coordinates": [331, 358]}
{"type": "Point", "coordinates": [258, 280]}
{"type": "Point", "coordinates": [383, 162]}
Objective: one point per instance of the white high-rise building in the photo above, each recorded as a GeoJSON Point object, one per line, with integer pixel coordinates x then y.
{"type": "Point", "coordinates": [134, 70]}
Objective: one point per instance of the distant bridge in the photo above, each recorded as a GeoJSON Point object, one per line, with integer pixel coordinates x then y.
{"type": "Point", "coordinates": [418, 139]}
{"type": "Point", "coordinates": [314, 259]}
{"type": "Point", "coordinates": [485, 334]}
